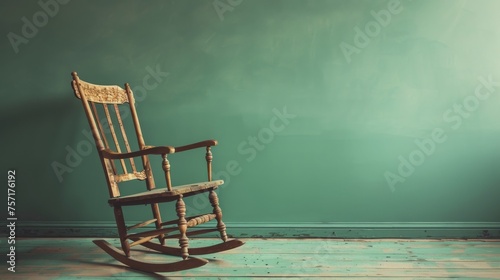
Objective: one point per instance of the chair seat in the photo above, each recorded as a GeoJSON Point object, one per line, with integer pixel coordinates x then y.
{"type": "Point", "coordinates": [164, 195]}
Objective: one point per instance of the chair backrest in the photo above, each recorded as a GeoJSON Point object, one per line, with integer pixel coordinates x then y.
{"type": "Point", "coordinates": [108, 130]}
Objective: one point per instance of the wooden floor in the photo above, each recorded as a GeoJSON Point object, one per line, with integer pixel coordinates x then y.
{"type": "Point", "coordinates": [56, 258]}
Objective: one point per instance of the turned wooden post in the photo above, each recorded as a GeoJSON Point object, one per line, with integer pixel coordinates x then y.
{"type": "Point", "coordinates": [166, 168]}
{"type": "Point", "coordinates": [209, 158]}
{"type": "Point", "coordinates": [182, 223]}
{"type": "Point", "coordinates": [214, 200]}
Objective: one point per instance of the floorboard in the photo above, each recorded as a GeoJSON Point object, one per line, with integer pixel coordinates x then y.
{"type": "Point", "coordinates": [73, 258]}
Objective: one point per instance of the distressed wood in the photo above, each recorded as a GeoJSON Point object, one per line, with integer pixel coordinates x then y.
{"type": "Point", "coordinates": [202, 144]}
{"type": "Point", "coordinates": [200, 220]}
{"type": "Point", "coordinates": [155, 209]}
{"type": "Point", "coordinates": [72, 258]}
{"type": "Point", "coordinates": [130, 176]}
{"type": "Point", "coordinates": [174, 222]}
{"type": "Point", "coordinates": [194, 232]}
{"type": "Point", "coordinates": [208, 158]}
{"type": "Point", "coordinates": [90, 95]}
{"type": "Point", "coordinates": [214, 200]}
{"type": "Point", "coordinates": [114, 137]}
{"type": "Point", "coordinates": [205, 250]}
{"type": "Point", "coordinates": [139, 241]}
{"type": "Point", "coordinates": [166, 169]}
{"type": "Point", "coordinates": [124, 136]}
{"type": "Point", "coordinates": [141, 224]}
{"type": "Point", "coordinates": [99, 93]}
{"type": "Point", "coordinates": [122, 230]}
{"type": "Point", "coordinates": [150, 184]}
{"type": "Point", "coordinates": [148, 266]}
{"type": "Point", "coordinates": [103, 135]}
{"type": "Point", "coordinates": [193, 220]}
{"type": "Point", "coordinates": [164, 195]}
{"type": "Point", "coordinates": [108, 170]}
{"type": "Point", "coordinates": [147, 151]}
{"type": "Point", "coordinates": [149, 233]}
{"type": "Point", "coordinates": [183, 240]}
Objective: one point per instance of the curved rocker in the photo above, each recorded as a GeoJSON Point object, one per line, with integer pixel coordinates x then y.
{"type": "Point", "coordinates": [149, 267]}
{"type": "Point", "coordinates": [175, 251]}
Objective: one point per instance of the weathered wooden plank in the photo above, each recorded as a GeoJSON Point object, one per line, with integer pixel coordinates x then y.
{"type": "Point", "coordinates": [324, 247]}
{"type": "Point", "coordinates": [281, 258]}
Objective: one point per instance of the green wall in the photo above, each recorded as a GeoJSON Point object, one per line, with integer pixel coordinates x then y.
{"type": "Point", "coordinates": [338, 113]}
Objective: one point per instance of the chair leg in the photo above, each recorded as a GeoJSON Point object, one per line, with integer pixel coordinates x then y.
{"type": "Point", "coordinates": [182, 223]}
{"type": "Point", "coordinates": [156, 214]}
{"type": "Point", "coordinates": [122, 230]}
{"type": "Point", "coordinates": [214, 200]}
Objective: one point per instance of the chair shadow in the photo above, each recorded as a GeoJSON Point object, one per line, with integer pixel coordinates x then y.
{"type": "Point", "coordinates": [144, 251]}
{"type": "Point", "coordinates": [36, 133]}
{"type": "Point", "coordinates": [153, 275]}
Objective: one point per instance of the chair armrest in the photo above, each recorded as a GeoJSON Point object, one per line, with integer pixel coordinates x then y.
{"type": "Point", "coordinates": [150, 150]}
{"type": "Point", "coordinates": [206, 143]}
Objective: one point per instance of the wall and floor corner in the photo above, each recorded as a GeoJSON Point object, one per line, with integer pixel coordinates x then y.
{"type": "Point", "coordinates": [335, 118]}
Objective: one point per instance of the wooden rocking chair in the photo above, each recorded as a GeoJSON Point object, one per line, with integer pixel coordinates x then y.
{"type": "Point", "coordinates": [110, 97]}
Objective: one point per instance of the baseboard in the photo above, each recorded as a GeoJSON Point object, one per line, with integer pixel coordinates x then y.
{"type": "Point", "coordinates": [280, 230]}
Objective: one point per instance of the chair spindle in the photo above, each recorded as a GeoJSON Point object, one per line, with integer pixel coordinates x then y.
{"type": "Point", "coordinates": [113, 133]}
{"type": "Point", "coordinates": [101, 130]}
{"type": "Point", "coordinates": [166, 169]}
{"type": "Point", "coordinates": [124, 135]}
{"type": "Point", "coordinates": [209, 157]}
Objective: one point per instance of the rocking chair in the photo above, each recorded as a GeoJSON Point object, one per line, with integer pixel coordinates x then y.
{"type": "Point", "coordinates": [110, 97]}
